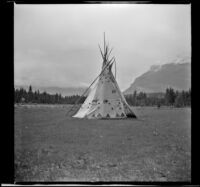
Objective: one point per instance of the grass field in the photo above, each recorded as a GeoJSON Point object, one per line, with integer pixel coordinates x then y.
{"type": "Point", "coordinates": [50, 146]}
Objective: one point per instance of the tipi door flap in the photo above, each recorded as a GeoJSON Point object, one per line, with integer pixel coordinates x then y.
{"type": "Point", "coordinates": [91, 112]}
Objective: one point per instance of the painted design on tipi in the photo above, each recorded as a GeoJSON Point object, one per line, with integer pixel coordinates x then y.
{"type": "Point", "coordinates": [105, 99]}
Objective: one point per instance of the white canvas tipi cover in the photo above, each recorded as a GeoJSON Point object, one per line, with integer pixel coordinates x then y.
{"type": "Point", "coordinates": [105, 99]}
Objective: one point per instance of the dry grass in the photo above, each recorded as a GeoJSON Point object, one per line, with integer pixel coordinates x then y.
{"type": "Point", "coordinates": [50, 146]}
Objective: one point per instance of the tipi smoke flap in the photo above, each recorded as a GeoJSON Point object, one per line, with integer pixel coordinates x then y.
{"type": "Point", "coordinates": [105, 99]}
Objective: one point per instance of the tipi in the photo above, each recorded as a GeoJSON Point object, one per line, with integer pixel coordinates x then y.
{"type": "Point", "coordinates": [105, 99]}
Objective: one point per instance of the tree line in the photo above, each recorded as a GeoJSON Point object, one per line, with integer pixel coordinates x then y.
{"type": "Point", "coordinates": [169, 98]}
{"type": "Point", "coordinates": [30, 96]}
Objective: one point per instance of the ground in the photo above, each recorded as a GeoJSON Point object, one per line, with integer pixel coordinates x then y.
{"type": "Point", "coordinates": [50, 146]}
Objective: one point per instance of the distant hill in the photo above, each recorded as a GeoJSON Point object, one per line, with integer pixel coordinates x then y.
{"type": "Point", "coordinates": [158, 78]}
{"type": "Point", "coordinates": [67, 91]}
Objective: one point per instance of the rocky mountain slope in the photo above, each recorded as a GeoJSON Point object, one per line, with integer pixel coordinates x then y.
{"type": "Point", "coordinates": [159, 77]}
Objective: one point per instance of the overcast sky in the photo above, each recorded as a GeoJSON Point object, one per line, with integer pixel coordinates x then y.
{"type": "Point", "coordinates": [57, 45]}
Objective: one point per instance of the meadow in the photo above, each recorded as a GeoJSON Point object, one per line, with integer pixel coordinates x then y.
{"type": "Point", "coordinates": [50, 146]}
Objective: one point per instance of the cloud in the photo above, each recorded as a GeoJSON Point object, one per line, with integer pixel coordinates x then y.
{"type": "Point", "coordinates": [58, 44]}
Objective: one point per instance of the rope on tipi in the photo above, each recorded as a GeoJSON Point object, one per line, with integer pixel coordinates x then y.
{"type": "Point", "coordinates": [115, 68]}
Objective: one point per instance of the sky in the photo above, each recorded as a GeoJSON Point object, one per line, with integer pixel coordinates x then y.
{"type": "Point", "coordinates": [57, 45]}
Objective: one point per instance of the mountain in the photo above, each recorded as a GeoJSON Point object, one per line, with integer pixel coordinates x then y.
{"type": "Point", "coordinates": [67, 91]}
{"type": "Point", "coordinates": [160, 77]}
